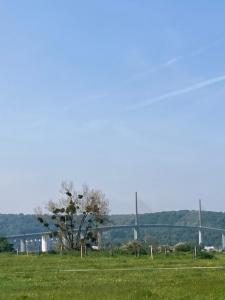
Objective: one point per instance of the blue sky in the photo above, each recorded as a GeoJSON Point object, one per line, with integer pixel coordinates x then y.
{"type": "Point", "coordinates": [121, 95]}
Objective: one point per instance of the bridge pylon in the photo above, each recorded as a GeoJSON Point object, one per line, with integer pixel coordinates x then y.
{"type": "Point", "coordinates": [200, 223]}
{"type": "Point", "coordinates": [44, 243]}
{"type": "Point", "coordinates": [136, 228]}
{"type": "Point", "coordinates": [223, 242]}
{"type": "Point", "coordinates": [22, 245]}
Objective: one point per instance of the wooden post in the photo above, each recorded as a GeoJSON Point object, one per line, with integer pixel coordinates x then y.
{"type": "Point", "coordinates": [99, 239]}
{"type": "Point", "coordinates": [81, 250]}
{"type": "Point", "coordinates": [27, 247]}
{"type": "Point", "coordinates": [151, 252]}
{"type": "Point", "coordinates": [195, 252]}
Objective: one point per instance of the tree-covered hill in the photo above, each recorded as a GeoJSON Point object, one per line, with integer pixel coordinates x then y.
{"type": "Point", "coordinates": [171, 236]}
{"type": "Point", "coordinates": [12, 224]}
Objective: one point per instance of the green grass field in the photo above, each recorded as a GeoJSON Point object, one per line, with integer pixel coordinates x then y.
{"type": "Point", "coordinates": [106, 277]}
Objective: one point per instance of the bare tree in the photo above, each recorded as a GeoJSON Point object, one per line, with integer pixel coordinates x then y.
{"type": "Point", "coordinates": [75, 217]}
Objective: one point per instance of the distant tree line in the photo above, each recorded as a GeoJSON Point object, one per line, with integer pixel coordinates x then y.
{"type": "Point", "coordinates": [11, 224]}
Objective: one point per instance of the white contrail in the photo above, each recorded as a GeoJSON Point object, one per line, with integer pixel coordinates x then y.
{"type": "Point", "coordinates": [136, 77]}
{"type": "Point", "coordinates": [207, 47]}
{"type": "Point", "coordinates": [178, 92]}
{"type": "Point", "coordinates": [172, 61]}
{"type": "Point", "coordinates": [154, 69]}
{"type": "Point", "coordinates": [160, 67]}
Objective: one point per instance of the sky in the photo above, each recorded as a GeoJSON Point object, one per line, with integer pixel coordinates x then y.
{"type": "Point", "coordinates": [123, 96]}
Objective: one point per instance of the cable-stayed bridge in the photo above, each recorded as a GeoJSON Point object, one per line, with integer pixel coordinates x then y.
{"type": "Point", "coordinates": [43, 238]}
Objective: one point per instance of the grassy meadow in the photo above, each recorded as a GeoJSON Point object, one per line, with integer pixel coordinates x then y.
{"type": "Point", "coordinates": [101, 276]}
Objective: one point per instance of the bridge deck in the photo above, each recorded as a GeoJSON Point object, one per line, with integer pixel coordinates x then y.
{"type": "Point", "coordinates": [107, 228]}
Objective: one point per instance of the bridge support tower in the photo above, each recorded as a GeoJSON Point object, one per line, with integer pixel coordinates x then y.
{"type": "Point", "coordinates": [136, 228]}
{"type": "Point", "coordinates": [200, 237]}
{"type": "Point", "coordinates": [223, 241]}
{"type": "Point", "coordinates": [44, 243]}
{"type": "Point", "coordinates": [22, 245]}
{"type": "Point", "coordinates": [200, 223]}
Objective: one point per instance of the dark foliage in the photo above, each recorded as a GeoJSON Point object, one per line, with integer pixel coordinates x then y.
{"type": "Point", "coordinates": [5, 246]}
{"type": "Point", "coordinates": [206, 255]}
{"type": "Point", "coordinates": [184, 247]}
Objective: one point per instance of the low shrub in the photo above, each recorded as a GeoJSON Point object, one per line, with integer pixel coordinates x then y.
{"type": "Point", "coordinates": [206, 255]}
{"type": "Point", "coordinates": [183, 247]}
{"type": "Point", "coordinates": [53, 252]}
{"type": "Point", "coordinates": [134, 247]}
{"type": "Point", "coordinates": [5, 246]}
